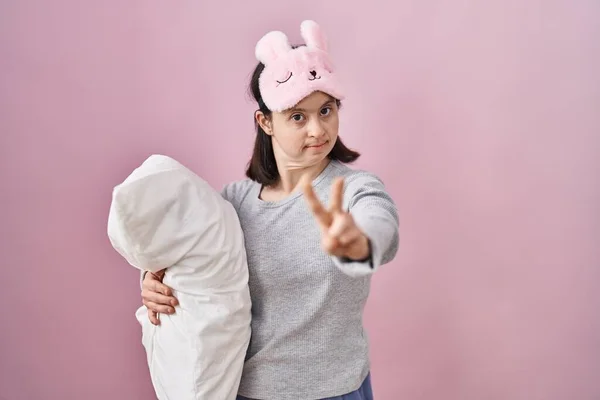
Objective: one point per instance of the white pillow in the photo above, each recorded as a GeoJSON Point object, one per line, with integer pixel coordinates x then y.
{"type": "Point", "coordinates": [165, 216]}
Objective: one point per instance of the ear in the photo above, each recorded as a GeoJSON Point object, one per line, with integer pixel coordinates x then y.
{"type": "Point", "coordinates": [271, 46]}
{"type": "Point", "coordinates": [264, 122]}
{"type": "Point", "coordinates": [313, 35]}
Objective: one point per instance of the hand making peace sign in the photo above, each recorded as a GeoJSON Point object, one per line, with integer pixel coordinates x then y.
{"type": "Point", "coordinates": [340, 236]}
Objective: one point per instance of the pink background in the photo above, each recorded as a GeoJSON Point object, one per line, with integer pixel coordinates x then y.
{"type": "Point", "coordinates": [483, 118]}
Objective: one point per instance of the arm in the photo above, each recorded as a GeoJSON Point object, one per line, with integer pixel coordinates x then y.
{"type": "Point", "coordinates": [375, 214]}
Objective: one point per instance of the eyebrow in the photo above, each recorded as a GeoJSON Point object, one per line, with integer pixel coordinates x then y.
{"type": "Point", "coordinates": [298, 109]}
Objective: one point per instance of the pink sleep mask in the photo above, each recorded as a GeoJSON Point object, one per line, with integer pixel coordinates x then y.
{"type": "Point", "coordinates": [292, 74]}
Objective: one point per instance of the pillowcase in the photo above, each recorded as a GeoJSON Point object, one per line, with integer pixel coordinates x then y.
{"type": "Point", "coordinates": [165, 216]}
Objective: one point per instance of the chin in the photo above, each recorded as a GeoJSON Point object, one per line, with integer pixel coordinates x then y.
{"type": "Point", "coordinates": [320, 158]}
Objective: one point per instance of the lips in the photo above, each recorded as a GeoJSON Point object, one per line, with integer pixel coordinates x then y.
{"type": "Point", "coordinates": [317, 146]}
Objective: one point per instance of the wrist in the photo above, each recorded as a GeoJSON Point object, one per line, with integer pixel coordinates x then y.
{"type": "Point", "coordinates": [159, 275]}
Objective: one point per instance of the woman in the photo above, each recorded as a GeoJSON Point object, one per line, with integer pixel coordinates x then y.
{"type": "Point", "coordinates": [310, 267]}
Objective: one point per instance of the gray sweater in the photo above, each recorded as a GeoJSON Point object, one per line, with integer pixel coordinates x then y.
{"type": "Point", "coordinates": [308, 340]}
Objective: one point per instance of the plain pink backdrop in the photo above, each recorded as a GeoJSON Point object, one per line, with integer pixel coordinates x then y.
{"type": "Point", "coordinates": [483, 119]}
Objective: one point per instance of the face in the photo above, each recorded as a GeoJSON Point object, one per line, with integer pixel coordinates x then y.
{"type": "Point", "coordinates": [304, 135]}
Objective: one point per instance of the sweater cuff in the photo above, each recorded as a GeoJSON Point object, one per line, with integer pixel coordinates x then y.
{"type": "Point", "coordinates": [379, 233]}
{"type": "Point", "coordinates": [357, 268]}
{"type": "Point", "coordinates": [368, 259]}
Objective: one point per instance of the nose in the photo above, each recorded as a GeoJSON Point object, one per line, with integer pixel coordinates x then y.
{"type": "Point", "coordinates": [316, 128]}
{"type": "Point", "coordinates": [313, 73]}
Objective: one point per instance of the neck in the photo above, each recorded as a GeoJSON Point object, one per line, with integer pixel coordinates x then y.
{"type": "Point", "coordinates": [289, 178]}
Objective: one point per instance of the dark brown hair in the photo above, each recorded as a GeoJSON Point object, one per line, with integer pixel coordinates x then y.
{"type": "Point", "coordinates": [262, 167]}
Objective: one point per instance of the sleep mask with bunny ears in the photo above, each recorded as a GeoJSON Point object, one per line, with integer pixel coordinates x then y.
{"type": "Point", "coordinates": [292, 74]}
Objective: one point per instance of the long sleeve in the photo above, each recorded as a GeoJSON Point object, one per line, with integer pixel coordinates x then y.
{"type": "Point", "coordinates": [376, 215]}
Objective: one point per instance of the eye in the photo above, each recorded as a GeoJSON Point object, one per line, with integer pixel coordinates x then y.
{"type": "Point", "coordinates": [298, 117]}
{"type": "Point", "coordinates": [325, 111]}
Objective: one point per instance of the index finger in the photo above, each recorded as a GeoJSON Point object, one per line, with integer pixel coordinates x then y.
{"type": "Point", "coordinates": [337, 195]}
{"type": "Point", "coordinates": [158, 287]}
{"type": "Point", "coordinates": [314, 204]}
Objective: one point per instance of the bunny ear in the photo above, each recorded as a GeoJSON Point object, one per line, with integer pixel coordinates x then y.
{"type": "Point", "coordinates": [313, 35]}
{"type": "Point", "coordinates": [271, 46]}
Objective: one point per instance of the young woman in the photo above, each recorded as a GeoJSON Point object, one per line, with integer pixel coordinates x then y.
{"type": "Point", "coordinates": [310, 266]}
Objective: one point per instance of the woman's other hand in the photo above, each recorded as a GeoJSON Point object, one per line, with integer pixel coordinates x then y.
{"type": "Point", "coordinates": [157, 297]}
